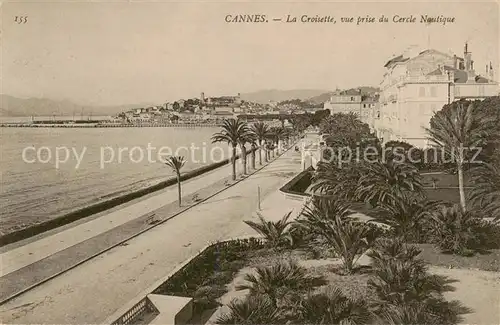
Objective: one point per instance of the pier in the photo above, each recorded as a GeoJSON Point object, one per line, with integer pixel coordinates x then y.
{"type": "Point", "coordinates": [108, 125]}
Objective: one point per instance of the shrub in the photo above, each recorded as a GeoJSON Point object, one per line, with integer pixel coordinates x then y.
{"type": "Point", "coordinates": [276, 281]}
{"type": "Point", "coordinates": [457, 231]}
{"type": "Point", "coordinates": [277, 233]}
{"type": "Point", "coordinates": [205, 297]}
{"type": "Point", "coordinates": [407, 294]}
{"type": "Point", "coordinates": [332, 307]}
{"type": "Point", "coordinates": [257, 309]}
{"type": "Point", "coordinates": [348, 238]}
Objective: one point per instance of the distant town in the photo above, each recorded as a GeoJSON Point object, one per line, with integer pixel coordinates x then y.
{"type": "Point", "coordinates": [415, 85]}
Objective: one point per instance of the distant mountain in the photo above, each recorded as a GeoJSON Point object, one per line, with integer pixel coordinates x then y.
{"type": "Point", "coordinates": [264, 96]}
{"type": "Point", "coordinates": [321, 98]}
{"type": "Point", "coordinates": [13, 106]}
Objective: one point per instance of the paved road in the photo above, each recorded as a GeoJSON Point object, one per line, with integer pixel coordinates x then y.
{"type": "Point", "coordinates": [96, 289]}
{"type": "Point", "coordinates": [22, 256]}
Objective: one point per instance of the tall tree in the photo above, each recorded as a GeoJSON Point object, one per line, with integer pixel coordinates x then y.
{"type": "Point", "coordinates": [346, 130]}
{"type": "Point", "coordinates": [254, 147]}
{"type": "Point", "coordinates": [248, 138]}
{"type": "Point", "coordinates": [277, 134]}
{"type": "Point", "coordinates": [232, 132]}
{"type": "Point", "coordinates": [261, 131]}
{"type": "Point", "coordinates": [176, 163]}
{"type": "Point", "coordinates": [457, 129]}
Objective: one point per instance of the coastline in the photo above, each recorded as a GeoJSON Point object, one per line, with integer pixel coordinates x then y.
{"type": "Point", "coordinates": [92, 209]}
{"type": "Point", "coordinates": [110, 125]}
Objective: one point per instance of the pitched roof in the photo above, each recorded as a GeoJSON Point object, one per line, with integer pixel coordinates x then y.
{"type": "Point", "coordinates": [461, 76]}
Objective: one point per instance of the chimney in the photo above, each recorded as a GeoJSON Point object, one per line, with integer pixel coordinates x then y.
{"type": "Point", "coordinates": [202, 97]}
{"type": "Point", "coordinates": [455, 61]}
{"type": "Point", "coordinates": [491, 74]}
{"type": "Point", "coordinates": [467, 58]}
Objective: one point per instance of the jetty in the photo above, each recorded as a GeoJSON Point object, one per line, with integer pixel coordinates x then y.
{"type": "Point", "coordinates": [107, 125]}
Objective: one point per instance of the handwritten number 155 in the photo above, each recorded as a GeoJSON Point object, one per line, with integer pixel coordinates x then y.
{"type": "Point", "coordinates": [21, 19]}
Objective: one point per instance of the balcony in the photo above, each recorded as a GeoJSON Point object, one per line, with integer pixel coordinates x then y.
{"type": "Point", "coordinates": [475, 90]}
{"type": "Point", "coordinates": [402, 80]}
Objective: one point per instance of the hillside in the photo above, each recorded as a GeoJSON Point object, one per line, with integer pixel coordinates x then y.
{"type": "Point", "coordinates": [13, 106]}
{"type": "Point", "coordinates": [264, 96]}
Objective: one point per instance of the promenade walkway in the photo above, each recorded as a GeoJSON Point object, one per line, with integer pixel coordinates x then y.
{"type": "Point", "coordinates": [15, 259]}
{"type": "Point", "coordinates": [94, 290]}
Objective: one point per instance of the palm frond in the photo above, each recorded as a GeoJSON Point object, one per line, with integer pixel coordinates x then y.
{"type": "Point", "coordinates": [252, 310]}
{"type": "Point", "coordinates": [276, 233]}
{"type": "Point", "coordinates": [175, 163]}
{"type": "Point", "coordinates": [485, 194]}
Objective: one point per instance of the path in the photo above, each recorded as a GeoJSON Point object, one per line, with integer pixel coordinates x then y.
{"type": "Point", "coordinates": [22, 256]}
{"type": "Point", "coordinates": [97, 288]}
{"type": "Point", "coordinates": [476, 289]}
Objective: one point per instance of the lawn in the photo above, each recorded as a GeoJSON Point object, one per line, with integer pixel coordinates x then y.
{"type": "Point", "coordinates": [444, 194]}
{"type": "Point", "coordinates": [443, 180]}
{"type": "Point", "coordinates": [446, 187]}
{"type": "Point", "coordinates": [490, 261]}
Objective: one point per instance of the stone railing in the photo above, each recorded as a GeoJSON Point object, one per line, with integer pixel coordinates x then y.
{"type": "Point", "coordinates": [136, 312]}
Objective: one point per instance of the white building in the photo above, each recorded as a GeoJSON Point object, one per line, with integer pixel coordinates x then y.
{"type": "Point", "coordinates": [416, 85]}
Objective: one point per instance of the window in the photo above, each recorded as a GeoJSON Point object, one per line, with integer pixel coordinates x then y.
{"type": "Point", "coordinates": [364, 105]}
{"type": "Point", "coordinates": [421, 92]}
{"type": "Point", "coordinates": [433, 91]}
{"type": "Point", "coordinates": [352, 99]}
{"type": "Point", "coordinates": [421, 109]}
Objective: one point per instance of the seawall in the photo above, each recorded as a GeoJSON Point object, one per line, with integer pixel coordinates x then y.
{"type": "Point", "coordinates": [103, 205]}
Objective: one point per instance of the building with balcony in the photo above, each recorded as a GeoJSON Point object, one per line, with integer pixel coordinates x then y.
{"type": "Point", "coordinates": [417, 84]}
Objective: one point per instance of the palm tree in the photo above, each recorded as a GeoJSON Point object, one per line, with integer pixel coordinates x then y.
{"type": "Point", "coordinates": [455, 129]}
{"type": "Point", "coordinates": [270, 150]}
{"type": "Point", "coordinates": [407, 293]}
{"type": "Point", "coordinates": [486, 191]}
{"type": "Point", "coordinates": [276, 233]}
{"type": "Point", "coordinates": [254, 148]}
{"type": "Point", "coordinates": [455, 230]}
{"type": "Point", "coordinates": [385, 182]}
{"type": "Point", "coordinates": [277, 134]}
{"type": "Point", "coordinates": [257, 309]}
{"type": "Point", "coordinates": [233, 132]}
{"type": "Point", "coordinates": [406, 281]}
{"type": "Point", "coordinates": [249, 138]}
{"type": "Point", "coordinates": [348, 238]}
{"type": "Point", "coordinates": [261, 131]}
{"type": "Point", "coordinates": [339, 181]}
{"type": "Point", "coordinates": [406, 215]}
{"type": "Point", "coordinates": [176, 163]}
{"type": "Point", "coordinates": [333, 307]}
{"type": "Point", "coordinates": [277, 280]}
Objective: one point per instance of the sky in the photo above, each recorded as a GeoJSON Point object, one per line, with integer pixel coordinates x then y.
{"type": "Point", "coordinates": [123, 52]}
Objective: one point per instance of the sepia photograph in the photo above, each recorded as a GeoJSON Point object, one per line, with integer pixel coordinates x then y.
{"type": "Point", "coordinates": [250, 162]}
